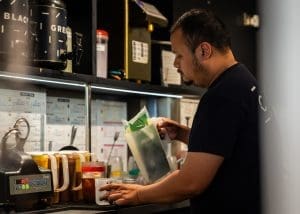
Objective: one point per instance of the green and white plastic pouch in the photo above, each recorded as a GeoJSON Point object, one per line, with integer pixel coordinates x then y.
{"type": "Point", "coordinates": [145, 144]}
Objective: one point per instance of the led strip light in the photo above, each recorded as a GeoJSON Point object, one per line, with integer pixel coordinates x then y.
{"type": "Point", "coordinates": [136, 92]}
{"type": "Point", "coordinates": [93, 86]}
{"type": "Point", "coordinates": [42, 80]}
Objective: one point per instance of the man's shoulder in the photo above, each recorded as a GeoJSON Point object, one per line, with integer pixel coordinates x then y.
{"type": "Point", "coordinates": [236, 80]}
{"type": "Point", "coordinates": [238, 76]}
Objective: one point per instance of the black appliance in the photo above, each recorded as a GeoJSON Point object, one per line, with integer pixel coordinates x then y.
{"type": "Point", "coordinates": [24, 186]}
{"type": "Point", "coordinates": [14, 36]}
{"type": "Point", "coordinates": [49, 24]}
{"type": "Point", "coordinates": [49, 28]}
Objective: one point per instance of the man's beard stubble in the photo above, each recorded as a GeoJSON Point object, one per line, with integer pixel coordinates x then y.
{"type": "Point", "coordinates": [197, 68]}
{"type": "Point", "coordinates": [188, 82]}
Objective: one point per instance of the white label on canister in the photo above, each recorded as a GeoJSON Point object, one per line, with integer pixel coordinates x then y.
{"type": "Point", "coordinates": [140, 52]}
{"type": "Point", "coordinates": [100, 47]}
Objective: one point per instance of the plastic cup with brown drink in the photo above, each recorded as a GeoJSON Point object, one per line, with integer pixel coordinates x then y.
{"type": "Point", "coordinates": [91, 171]}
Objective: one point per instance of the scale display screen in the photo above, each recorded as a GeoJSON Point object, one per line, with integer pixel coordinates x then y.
{"type": "Point", "coordinates": [24, 184]}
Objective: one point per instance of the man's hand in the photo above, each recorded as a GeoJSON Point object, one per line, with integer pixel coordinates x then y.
{"type": "Point", "coordinates": [173, 129]}
{"type": "Point", "coordinates": [122, 194]}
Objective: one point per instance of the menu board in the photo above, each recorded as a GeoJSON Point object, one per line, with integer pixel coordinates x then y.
{"type": "Point", "coordinates": [169, 72]}
{"type": "Point", "coordinates": [188, 108]}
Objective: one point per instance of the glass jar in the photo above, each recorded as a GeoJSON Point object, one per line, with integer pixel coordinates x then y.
{"type": "Point", "coordinates": [101, 50]}
{"type": "Point", "coordinates": [91, 171]}
{"type": "Point", "coordinates": [116, 167]}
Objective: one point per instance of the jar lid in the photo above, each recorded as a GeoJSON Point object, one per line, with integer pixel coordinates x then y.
{"type": "Point", "coordinates": [92, 167]}
{"type": "Point", "coordinates": [102, 33]}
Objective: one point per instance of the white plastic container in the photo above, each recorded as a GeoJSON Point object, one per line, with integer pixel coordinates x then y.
{"type": "Point", "coordinates": [99, 182]}
{"type": "Point", "coordinates": [101, 51]}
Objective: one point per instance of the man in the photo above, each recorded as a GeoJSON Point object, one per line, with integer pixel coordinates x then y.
{"type": "Point", "coordinates": [221, 170]}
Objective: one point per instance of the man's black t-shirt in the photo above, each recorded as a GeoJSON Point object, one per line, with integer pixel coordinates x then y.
{"type": "Point", "coordinates": [226, 124]}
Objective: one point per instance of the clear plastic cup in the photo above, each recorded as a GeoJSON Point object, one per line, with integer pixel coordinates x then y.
{"type": "Point", "coordinates": [116, 167]}
{"type": "Point", "coordinates": [99, 182]}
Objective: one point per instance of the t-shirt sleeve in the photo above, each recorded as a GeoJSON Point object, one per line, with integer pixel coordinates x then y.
{"type": "Point", "coordinates": [215, 127]}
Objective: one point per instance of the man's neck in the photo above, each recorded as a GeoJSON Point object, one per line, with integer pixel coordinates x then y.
{"type": "Point", "coordinates": [220, 64]}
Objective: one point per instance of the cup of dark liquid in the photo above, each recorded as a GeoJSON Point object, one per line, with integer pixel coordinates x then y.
{"type": "Point", "coordinates": [90, 172]}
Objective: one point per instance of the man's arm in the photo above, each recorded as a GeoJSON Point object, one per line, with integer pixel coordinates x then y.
{"type": "Point", "coordinates": [193, 178]}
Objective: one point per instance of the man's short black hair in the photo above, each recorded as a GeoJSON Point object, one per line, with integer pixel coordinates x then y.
{"type": "Point", "coordinates": [200, 25]}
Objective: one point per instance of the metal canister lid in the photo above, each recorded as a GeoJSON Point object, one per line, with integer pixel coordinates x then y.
{"type": "Point", "coordinates": [56, 3]}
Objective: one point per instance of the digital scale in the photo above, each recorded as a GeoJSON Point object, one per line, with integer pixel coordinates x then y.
{"type": "Point", "coordinates": [23, 185]}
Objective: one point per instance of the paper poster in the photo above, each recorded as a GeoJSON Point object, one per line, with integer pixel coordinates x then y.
{"type": "Point", "coordinates": [77, 112]}
{"type": "Point", "coordinates": [188, 108]}
{"type": "Point", "coordinates": [31, 105]}
{"type": "Point", "coordinates": [58, 110]}
{"type": "Point", "coordinates": [22, 101]}
{"type": "Point", "coordinates": [59, 135]}
{"type": "Point", "coordinates": [62, 114]}
{"type": "Point", "coordinates": [140, 52]}
{"type": "Point", "coordinates": [104, 146]}
{"type": "Point", "coordinates": [169, 72]}
{"type": "Point", "coordinates": [109, 121]}
{"type": "Point", "coordinates": [110, 112]}
{"type": "Point", "coordinates": [36, 123]}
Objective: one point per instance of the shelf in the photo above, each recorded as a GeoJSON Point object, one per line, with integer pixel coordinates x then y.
{"type": "Point", "coordinates": [42, 77]}
{"type": "Point", "coordinates": [144, 89]}
{"type": "Point", "coordinates": [74, 81]}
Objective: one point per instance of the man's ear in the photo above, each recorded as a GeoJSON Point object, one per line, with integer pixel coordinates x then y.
{"type": "Point", "coordinates": [204, 50]}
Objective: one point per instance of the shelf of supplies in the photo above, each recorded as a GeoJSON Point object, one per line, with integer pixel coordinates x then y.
{"type": "Point", "coordinates": [74, 81]}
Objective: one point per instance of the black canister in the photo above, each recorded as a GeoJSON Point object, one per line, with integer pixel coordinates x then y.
{"type": "Point", "coordinates": [49, 25]}
{"type": "Point", "coordinates": [14, 35]}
